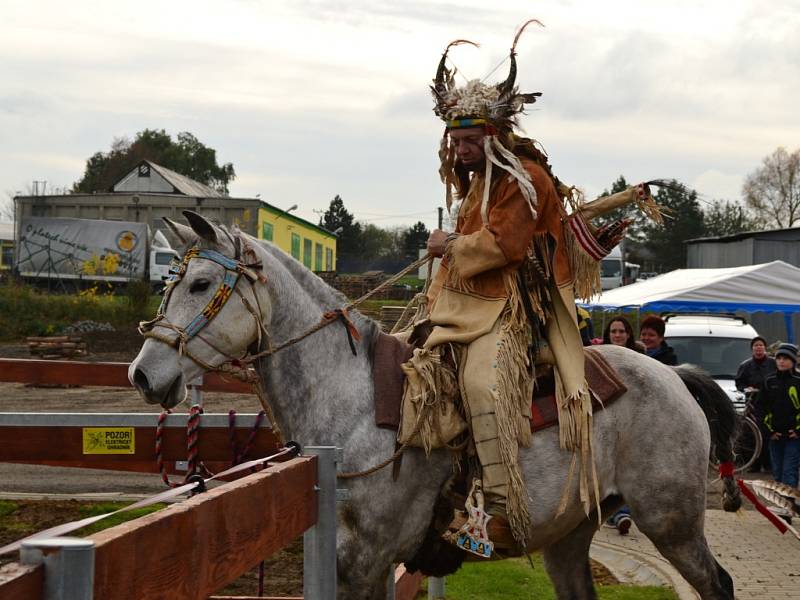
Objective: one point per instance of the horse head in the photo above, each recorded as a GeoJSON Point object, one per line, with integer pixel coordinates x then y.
{"type": "Point", "coordinates": [212, 312]}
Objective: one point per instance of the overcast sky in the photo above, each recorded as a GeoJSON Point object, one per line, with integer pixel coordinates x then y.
{"type": "Point", "coordinates": [309, 99]}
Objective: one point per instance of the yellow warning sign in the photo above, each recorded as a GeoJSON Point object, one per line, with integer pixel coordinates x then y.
{"type": "Point", "coordinates": [109, 440]}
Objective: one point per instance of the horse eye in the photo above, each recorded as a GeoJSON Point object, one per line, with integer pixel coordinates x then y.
{"type": "Point", "coordinates": [201, 285]}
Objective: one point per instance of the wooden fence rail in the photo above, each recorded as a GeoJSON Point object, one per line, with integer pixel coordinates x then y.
{"type": "Point", "coordinates": [57, 372]}
{"type": "Point", "coordinates": [190, 550]}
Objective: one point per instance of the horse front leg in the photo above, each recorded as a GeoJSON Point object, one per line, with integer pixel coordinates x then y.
{"type": "Point", "coordinates": [567, 563]}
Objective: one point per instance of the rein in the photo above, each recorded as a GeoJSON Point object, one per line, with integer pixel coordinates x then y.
{"type": "Point", "coordinates": [239, 366]}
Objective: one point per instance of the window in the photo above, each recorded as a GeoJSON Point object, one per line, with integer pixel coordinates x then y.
{"type": "Point", "coordinates": [307, 249]}
{"type": "Point", "coordinates": [328, 259]}
{"type": "Point", "coordinates": [296, 246]}
{"type": "Point", "coordinates": [318, 257]}
{"type": "Point", "coordinates": [266, 232]}
{"type": "Point", "coordinates": [7, 258]}
{"type": "Point", "coordinates": [164, 258]}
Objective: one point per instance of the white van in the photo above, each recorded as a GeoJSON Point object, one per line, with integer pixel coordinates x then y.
{"type": "Point", "coordinates": [614, 272]}
{"type": "Point", "coordinates": [716, 342]}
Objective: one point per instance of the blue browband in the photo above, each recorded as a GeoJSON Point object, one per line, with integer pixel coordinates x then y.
{"type": "Point", "coordinates": [233, 270]}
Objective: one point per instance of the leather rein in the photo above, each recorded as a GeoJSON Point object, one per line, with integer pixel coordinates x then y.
{"type": "Point", "coordinates": [238, 367]}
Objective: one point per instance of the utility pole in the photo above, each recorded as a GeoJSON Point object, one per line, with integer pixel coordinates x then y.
{"type": "Point", "coordinates": [441, 216]}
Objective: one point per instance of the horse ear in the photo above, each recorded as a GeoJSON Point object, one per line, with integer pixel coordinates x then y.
{"type": "Point", "coordinates": [182, 232]}
{"type": "Point", "coordinates": [201, 226]}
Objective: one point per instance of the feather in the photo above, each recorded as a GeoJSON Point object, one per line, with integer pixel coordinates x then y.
{"type": "Point", "coordinates": [776, 493]}
{"type": "Point", "coordinates": [521, 29]}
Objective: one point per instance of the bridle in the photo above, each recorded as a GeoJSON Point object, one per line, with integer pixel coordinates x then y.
{"type": "Point", "coordinates": [238, 367]}
{"type": "Point", "coordinates": [234, 270]}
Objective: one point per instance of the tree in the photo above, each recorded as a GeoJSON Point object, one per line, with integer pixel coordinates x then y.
{"type": "Point", "coordinates": [727, 218]}
{"type": "Point", "coordinates": [339, 220]}
{"type": "Point", "coordinates": [186, 155]}
{"type": "Point", "coordinates": [414, 238]}
{"type": "Point", "coordinates": [773, 190]}
{"type": "Point", "coordinates": [683, 221]}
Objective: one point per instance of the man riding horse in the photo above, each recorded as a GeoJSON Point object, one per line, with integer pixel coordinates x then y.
{"type": "Point", "coordinates": [503, 297]}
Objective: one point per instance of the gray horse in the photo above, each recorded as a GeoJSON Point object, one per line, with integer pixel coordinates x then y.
{"type": "Point", "coordinates": [651, 445]}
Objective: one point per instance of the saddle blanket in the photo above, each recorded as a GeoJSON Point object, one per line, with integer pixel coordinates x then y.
{"type": "Point", "coordinates": [390, 352]}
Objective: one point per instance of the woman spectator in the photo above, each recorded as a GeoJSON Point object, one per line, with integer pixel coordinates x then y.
{"type": "Point", "coordinates": [651, 333]}
{"type": "Point", "coordinates": [620, 333]}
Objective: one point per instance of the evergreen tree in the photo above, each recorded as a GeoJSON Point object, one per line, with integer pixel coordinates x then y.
{"type": "Point", "coordinates": [414, 238]}
{"type": "Point", "coordinates": [683, 221]}
{"type": "Point", "coordinates": [338, 219]}
{"type": "Point", "coordinates": [727, 218]}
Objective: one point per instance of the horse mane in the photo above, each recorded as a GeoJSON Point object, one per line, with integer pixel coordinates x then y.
{"type": "Point", "coordinates": [322, 294]}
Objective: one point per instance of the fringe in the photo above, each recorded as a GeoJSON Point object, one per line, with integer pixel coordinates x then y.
{"type": "Point", "coordinates": [585, 269]}
{"type": "Point", "coordinates": [575, 434]}
{"type": "Point", "coordinates": [437, 386]}
{"type": "Point", "coordinates": [512, 401]}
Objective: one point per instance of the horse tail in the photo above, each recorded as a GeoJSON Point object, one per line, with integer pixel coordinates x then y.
{"type": "Point", "coordinates": [722, 422]}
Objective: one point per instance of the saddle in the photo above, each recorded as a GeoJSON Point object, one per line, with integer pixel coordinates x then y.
{"type": "Point", "coordinates": [389, 352]}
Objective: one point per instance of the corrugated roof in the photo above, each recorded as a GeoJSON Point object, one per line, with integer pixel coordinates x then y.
{"type": "Point", "coordinates": [743, 235]}
{"type": "Point", "coordinates": [185, 185]}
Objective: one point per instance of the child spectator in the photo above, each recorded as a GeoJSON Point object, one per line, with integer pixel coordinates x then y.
{"type": "Point", "coordinates": [782, 416]}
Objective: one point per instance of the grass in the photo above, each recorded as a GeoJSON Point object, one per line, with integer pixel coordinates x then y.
{"type": "Point", "coordinates": [26, 311]}
{"type": "Point", "coordinates": [515, 580]}
{"type": "Point", "coordinates": [7, 508]}
{"type": "Point", "coordinates": [91, 510]}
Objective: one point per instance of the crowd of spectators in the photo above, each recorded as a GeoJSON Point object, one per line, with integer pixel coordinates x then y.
{"type": "Point", "coordinates": [771, 384]}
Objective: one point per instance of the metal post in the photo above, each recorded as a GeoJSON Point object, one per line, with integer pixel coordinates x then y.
{"type": "Point", "coordinates": [197, 395]}
{"type": "Point", "coordinates": [68, 566]}
{"type": "Point", "coordinates": [390, 583]}
{"type": "Point", "coordinates": [435, 588]}
{"type": "Point", "coordinates": [319, 542]}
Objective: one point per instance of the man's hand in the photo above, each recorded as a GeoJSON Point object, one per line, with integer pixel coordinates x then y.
{"type": "Point", "coordinates": [437, 243]}
{"type": "Point", "coordinates": [775, 436]}
{"type": "Point", "coordinates": [792, 435]}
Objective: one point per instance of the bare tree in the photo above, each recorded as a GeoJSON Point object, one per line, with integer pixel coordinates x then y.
{"type": "Point", "coordinates": [7, 207]}
{"type": "Point", "coordinates": [773, 190]}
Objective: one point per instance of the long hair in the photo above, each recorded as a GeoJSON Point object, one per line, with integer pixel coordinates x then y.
{"type": "Point", "coordinates": [630, 342]}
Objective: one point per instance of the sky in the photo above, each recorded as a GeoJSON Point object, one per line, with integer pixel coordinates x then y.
{"type": "Point", "coordinates": [309, 99]}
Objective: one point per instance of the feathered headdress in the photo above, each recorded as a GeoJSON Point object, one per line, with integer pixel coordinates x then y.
{"type": "Point", "coordinates": [494, 108]}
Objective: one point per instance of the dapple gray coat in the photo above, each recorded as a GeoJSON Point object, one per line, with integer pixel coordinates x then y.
{"type": "Point", "coordinates": [651, 445]}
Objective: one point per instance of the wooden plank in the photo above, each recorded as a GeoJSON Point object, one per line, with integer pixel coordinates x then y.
{"type": "Point", "coordinates": [54, 445]}
{"type": "Point", "coordinates": [21, 582]}
{"type": "Point", "coordinates": [57, 372]}
{"type": "Point", "coordinates": [191, 549]}
{"type": "Point", "coordinates": [406, 585]}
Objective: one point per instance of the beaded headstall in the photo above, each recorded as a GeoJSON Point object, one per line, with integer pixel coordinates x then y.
{"type": "Point", "coordinates": [234, 269]}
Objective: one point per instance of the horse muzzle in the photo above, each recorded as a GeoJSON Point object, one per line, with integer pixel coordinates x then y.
{"type": "Point", "coordinates": [167, 394]}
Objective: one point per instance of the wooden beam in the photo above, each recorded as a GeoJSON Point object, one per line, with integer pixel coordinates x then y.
{"type": "Point", "coordinates": [21, 582]}
{"type": "Point", "coordinates": [61, 372]}
{"type": "Point", "coordinates": [192, 549]}
{"type": "Point", "coordinates": [63, 446]}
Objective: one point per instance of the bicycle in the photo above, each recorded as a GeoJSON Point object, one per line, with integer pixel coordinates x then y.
{"type": "Point", "coordinates": [749, 441]}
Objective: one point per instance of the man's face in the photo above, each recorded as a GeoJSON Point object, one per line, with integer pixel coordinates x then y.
{"type": "Point", "coordinates": [469, 146]}
{"type": "Point", "coordinates": [759, 350]}
{"type": "Point", "coordinates": [650, 338]}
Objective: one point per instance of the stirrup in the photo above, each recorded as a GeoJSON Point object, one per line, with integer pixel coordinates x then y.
{"type": "Point", "coordinates": [473, 536]}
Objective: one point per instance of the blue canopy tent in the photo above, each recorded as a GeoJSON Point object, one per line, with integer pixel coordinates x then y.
{"type": "Point", "coordinates": [771, 288]}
